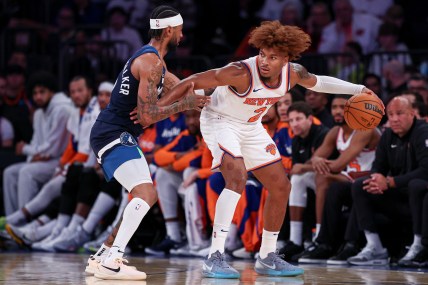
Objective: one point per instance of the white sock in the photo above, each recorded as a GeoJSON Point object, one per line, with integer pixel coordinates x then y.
{"type": "Point", "coordinates": [268, 243]}
{"type": "Point", "coordinates": [102, 205]}
{"type": "Point", "coordinates": [61, 222]}
{"type": "Point", "coordinates": [132, 216]}
{"type": "Point", "coordinates": [123, 202]}
{"type": "Point", "coordinates": [296, 230]}
{"type": "Point", "coordinates": [224, 210]}
{"type": "Point", "coordinates": [76, 221]}
{"type": "Point", "coordinates": [102, 252]}
{"type": "Point", "coordinates": [373, 240]}
{"type": "Point", "coordinates": [43, 219]}
{"type": "Point", "coordinates": [232, 237]}
{"type": "Point", "coordinates": [317, 231]}
{"type": "Point", "coordinates": [173, 230]}
{"type": "Point", "coordinates": [16, 218]}
{"type": "Point", "coordinates": [44, 230]}
{"type": "Point", "coordinates": [417, 240]}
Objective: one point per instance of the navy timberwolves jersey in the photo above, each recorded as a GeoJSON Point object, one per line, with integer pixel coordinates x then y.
{"type": "Point", "coordinates": [115, 120]}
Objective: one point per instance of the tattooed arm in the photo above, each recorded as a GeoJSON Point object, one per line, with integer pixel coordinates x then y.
{"type": "Point", "coordinates": [300, 75]}
{"type": "Point", "coordinates": [149, 71]}
{"type": "Point", "coordinates": [324, 84]}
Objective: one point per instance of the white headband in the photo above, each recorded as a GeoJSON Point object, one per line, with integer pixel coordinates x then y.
{"type": "Point", "coordinates": [157, 24]}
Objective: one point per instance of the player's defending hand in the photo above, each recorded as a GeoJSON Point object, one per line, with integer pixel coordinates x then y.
{"type": "Point", "coordinates": [194, 101]}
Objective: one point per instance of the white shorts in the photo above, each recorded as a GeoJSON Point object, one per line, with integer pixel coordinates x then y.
{"type": "Point", "coordinates": [249, 141]}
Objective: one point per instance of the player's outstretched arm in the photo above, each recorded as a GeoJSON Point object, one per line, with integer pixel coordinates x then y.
{"type": "Point", "coordinates": [325, 84]}
{"type": "Point", "coordinates": [149, 72]}
{"type": "Point", "coordinates": [234, 74]}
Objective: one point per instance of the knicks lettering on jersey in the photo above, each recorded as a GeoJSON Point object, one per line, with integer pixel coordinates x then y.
{"type": "Point", "coordinates": [261, 101]}
{"type": "Point", "coordinates": [124, 86]}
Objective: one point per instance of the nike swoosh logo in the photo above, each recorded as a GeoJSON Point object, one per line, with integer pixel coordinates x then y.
{"type": "Point", "coordinates": [224, 231]}
{"type": "Point", "coordinates": [269, 266]}
{"type": "Point", "coordinates": [209, 268]}
{"type": "Point", "coordinates": [114, 270]}
{"type": "Point", "coordinates": [393, 146]}
{"type": "Point", "coordinates": [255, 90]}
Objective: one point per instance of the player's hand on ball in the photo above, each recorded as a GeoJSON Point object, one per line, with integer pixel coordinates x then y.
{"type": "Point", "coordinates": [369, 91]}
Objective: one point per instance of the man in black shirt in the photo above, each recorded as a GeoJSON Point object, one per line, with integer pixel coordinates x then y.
{"type": "Point", "coordinates": [401, 158]}
{"type": "Point", "coordinates": [308, 137]}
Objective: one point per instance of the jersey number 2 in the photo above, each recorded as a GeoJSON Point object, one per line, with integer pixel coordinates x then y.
{"type": "Point", "coordinates": [259, 112]}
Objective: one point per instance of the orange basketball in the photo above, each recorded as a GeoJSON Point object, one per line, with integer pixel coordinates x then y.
{"type": "Point", "coordinates": [363, 112]}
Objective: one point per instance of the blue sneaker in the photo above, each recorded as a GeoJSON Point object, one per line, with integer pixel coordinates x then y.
{"type": "Point", "coordinates": [274, 265]}
{"type": "Point", "coordinates": [163, 248]}
{"type": "Point", "coordinates": [217, 267]}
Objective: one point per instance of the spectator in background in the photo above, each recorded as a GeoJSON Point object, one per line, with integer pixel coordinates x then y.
{"type": "Point", "coordinates": [419, 84]}
{"type": "Point", "coordinates": [307, 138]}
{"type": "Point", "coordinates": [64, 30]}
{"type": "Point", "coordinates": [17, 108]}
{"type": "Point", "coordinates": [172, 159]}
{"type": "Point", "coordinates": [77, 150]}
{"type": "Point", "coordinates": [318, 102]}
{"type": "Point", "coordinates": [374, 82]}
{"type": "Point", "coordinates": [47, 144]}
{"type": "Point", "coordinates": [272, 9]}
{"type": "Point", "coordinates": [3, 87]}
{"type": "Point", "coordinates": [393, 74]}
{"type": "Point", "coordinates": [390, 49]}
{"type": "Point", "coordinates": [87, 12]}
{"type": "Point", "coordinates": [118, 30]}
{"type": "Point", "coordinates": [376, 8]}
{"type": "Point", "coordinates": [349, 66]}
{"type": "Point", "coordinates": [292, 96]}
{"type": "Point", "coordinates": [292, 13]}
{"type": "Point", "coordinates": [319, 18]}
{"type": "Point", "coordinates": [401, 159]}
{"type": "Point", "coordinates": [395, 16]}
{"type": "Point", "coordinates": [19, 58]}
{"type": "Point", "coordinates": [348, 27]}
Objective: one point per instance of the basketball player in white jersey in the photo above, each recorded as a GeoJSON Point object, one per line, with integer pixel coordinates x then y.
{"type": "Point", "coordinates": [231, 126]}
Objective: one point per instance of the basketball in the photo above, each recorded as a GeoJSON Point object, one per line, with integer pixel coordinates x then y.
{"type": "Point", "coordinates": [363, 112]}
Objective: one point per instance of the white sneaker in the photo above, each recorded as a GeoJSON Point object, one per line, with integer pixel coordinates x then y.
{"type": "Point", "coordinates": [91, 265]}
{"type": "Point", "coordinates": [46, 244]}
{"type": "Point", "coordinates": [242, 253]}
{"type": "Point", "coordinates": [93, 262]}
{"type": "Point", "coordinates": [411, 254]}
{"type": "Point", "coordinates": [117, 270]}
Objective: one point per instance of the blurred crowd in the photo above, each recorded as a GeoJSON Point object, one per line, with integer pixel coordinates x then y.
{"type": "Point", "coordinates": [54, 193]}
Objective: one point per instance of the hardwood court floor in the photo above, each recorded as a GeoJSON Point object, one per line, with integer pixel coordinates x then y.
{"type": "Point", "coordinates": [49, 268]}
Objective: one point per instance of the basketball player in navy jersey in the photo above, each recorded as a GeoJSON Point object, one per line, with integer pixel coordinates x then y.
{"type": "Point", "coordinates": [232, 129]}
{"type": "Point", "coordinates": [142, 83]}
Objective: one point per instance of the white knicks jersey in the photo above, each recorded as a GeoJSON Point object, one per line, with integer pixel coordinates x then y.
{"type": "Point", "coordinates": [250, 106]}
{"type": "Point", "coordinates": [363, 161]}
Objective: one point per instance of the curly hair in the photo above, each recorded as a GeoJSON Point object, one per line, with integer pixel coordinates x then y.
{"type": "Point", "coordinates": [290, 40]}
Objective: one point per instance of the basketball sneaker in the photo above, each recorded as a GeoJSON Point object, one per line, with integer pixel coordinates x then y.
{"type": "Point", "coordinates": [217, 267]}
{"type": "Point", "coordinates": [93, 246]}
{"type": "Point", "coordinates": [47, 243]}
{"type": "Point", "coordinates": [72, 242]}
{"type": "Point", "coordinates": [274, 265]}
{"type": "Point", "coordinates": [164, 247]}
{"type": "Point", "coordinates": [410, 255]}
{"type": "Point", "coordinates": [117, 270]}
{"type": "Point", "coordinates": [19, 235]}
{"type": "Point", "coordinates": [370, 256]}
{"type": "Point", "coordinates": [341, 258]}
{"type": "Point", "coordinates": [91, 265]}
